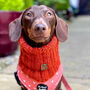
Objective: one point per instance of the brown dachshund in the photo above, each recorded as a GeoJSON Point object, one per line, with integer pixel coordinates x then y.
{"type": "Point", "coordinates": [38, 24]}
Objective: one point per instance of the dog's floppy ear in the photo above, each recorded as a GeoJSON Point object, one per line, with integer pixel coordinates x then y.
{"type": "Point", "coordinates": [15, 29]}
{"type": "Point", "coordinates": [61, 30]}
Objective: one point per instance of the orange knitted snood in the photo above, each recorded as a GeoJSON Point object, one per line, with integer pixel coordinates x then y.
{"type": "Point", "coordinates": [32, 59]}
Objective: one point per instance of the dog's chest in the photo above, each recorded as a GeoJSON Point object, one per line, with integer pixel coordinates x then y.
{"type": "Point", "coordinates": [40, 63]}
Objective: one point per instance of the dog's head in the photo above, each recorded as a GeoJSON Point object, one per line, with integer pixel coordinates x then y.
{"type": "Point", "coordinates": [39, 23]}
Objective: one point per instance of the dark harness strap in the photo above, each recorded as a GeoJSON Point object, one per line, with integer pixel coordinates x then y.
{"type": "Point", "coordinates": [17, 79]}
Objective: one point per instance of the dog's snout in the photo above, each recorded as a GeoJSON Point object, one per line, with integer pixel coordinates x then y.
{"type": "Point", "coordinates": [40, 27]}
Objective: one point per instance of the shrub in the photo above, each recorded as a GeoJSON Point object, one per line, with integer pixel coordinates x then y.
{"type": "Point", "coordinates": [15, 5]}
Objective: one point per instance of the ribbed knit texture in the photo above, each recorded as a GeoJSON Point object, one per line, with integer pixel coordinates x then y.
{"type": "Point", "coordinates": [31, 59]}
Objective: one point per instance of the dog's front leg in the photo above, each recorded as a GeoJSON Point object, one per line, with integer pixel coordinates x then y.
{"type": "Point", "coordinates": [59, 85]}
{"type": "Point", "coordinates": [23, 88]}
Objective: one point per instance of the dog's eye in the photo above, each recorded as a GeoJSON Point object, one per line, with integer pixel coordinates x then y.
{"type": "Point", "coordinates": [49, 14]}
{"type": "Point", "coordinates": [29, 14]}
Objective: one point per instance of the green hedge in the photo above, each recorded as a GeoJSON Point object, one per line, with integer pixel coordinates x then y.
{"type": "Point", "coordinates": [57, 4]}
{"type": "Point", "coordinates": [61, 4]}
{"type": "Point", "coordinates": [15, 5]}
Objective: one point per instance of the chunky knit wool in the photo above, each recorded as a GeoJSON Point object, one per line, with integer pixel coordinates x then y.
{"type": "Point", "coordinates": [31, 59]}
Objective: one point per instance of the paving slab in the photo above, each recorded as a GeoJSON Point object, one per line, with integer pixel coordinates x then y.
{"type": "Point", "coordinates": [7, 82]}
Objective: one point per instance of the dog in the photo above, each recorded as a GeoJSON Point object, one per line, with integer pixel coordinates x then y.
{"type": "Point", "coordinates": [38, 25]}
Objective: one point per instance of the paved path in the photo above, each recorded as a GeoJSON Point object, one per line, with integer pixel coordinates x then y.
{"type": "Point", "coordinates": [75, 53]}
{"type": "Point", "coordinates": [75, 57]}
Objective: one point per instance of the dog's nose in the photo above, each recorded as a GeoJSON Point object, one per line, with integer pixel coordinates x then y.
{"type": "Point", "coordinates": [40, 27]}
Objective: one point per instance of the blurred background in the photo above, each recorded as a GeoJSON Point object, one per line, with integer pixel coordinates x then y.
{"type": "Point", "coordinates": [75, 52]}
